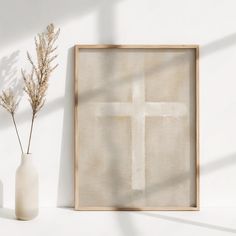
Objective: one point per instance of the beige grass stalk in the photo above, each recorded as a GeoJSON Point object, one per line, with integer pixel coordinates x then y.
{"type": "Point", "coordinates": [10, 101]}
{"type": "Point", "coordinates": [36, 81]}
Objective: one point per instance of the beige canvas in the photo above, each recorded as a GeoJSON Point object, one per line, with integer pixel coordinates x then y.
{"type": "Point", "coordinates": [136, 128]}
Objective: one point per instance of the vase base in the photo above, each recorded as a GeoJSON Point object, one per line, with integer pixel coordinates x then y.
{"type": "Point", "coordinates": [26, 217]}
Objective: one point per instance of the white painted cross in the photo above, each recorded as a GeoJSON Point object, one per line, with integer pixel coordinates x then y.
{"type": "Point", "coordinates": [138, 109]}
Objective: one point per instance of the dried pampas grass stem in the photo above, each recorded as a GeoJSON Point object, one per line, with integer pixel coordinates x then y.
{"type": "Point", "coordinates": [36, 82]}
{"type": "Point", "coordinates": [9, 101]}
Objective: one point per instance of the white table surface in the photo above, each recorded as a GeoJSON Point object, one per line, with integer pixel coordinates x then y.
{"type": "Point", "coordinates": [67, 222]}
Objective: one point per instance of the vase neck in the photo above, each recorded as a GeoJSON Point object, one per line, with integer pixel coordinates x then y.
{"type": "Point", "coordinates": [26, 157]}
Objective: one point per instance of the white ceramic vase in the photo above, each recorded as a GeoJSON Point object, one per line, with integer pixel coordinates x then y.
{"type": "Point", "coordinates": [26, 189]}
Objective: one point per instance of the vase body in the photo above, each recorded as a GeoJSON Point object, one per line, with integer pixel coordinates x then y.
{"type": "Point", "coordinates": [26, 189]}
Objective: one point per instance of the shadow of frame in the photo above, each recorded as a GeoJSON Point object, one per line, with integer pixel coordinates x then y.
{"type": "Point", "coordinates": [189, 222]}
{"type": "Point", "coordinates": [1, 194]}
{"type": "Point", "coordinates": [65, 195]}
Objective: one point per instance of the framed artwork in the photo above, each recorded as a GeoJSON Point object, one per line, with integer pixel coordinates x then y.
{"type": "Point", "coordinates": [136, 127]}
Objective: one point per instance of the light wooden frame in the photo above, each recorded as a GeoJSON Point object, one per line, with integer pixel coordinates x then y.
{"type": "Point", "coordinates": [76, 134]}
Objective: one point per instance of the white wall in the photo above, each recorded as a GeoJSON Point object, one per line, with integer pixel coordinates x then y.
{"type": "Point", "coordinates": [211, 24]}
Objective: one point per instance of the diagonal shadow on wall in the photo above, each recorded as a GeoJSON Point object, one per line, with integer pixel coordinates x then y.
{"type": "Point", "coordinates": [51, 106]}
{"type": "Point", "coordinates": [30, 17]}
{"type": "Point", "coordinates": [58, 103]}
